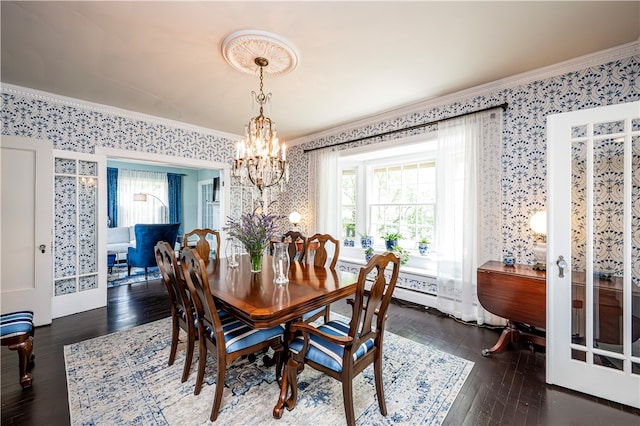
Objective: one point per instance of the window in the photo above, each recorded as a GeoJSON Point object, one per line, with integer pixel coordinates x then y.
{"type": "Point", "coordinates": [153, 208]}
{"type": "Point", "coordinates": [389, 190]}
{"type": "Point", "coordinates": [348, 204]}
{"type": "Point", "coordinates": [208, 204]}
{"type": "Point", "coordinates": [403, 200]}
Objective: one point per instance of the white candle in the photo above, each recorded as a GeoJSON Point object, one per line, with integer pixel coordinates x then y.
{"type": "Point", "coordinates": [284, 152]}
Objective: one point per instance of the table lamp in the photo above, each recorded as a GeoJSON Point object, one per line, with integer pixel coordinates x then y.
{"type": "Point", "coordinates": [538, 224]}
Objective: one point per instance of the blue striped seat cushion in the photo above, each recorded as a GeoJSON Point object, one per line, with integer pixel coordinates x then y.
{"type": "Point", "coordinates": [326, 353]}
{"type": "Point", "coordinates": [16, 323]}
{"type": "Point", "coordinates": [308, 315]}
{"type": "Point", "coordinates": [238, 335]}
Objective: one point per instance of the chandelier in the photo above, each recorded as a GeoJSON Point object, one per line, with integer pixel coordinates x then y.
{"type": "Point", "coordinates": [260, 158]}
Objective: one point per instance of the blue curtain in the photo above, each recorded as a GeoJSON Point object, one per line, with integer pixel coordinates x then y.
{"type": "Point", "coordinates": [112, 197]}
{"type": "Point", "coordinates": [175, 199]}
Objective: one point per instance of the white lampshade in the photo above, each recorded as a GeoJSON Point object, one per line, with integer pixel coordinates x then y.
{"type": "Point", "coordinates": [140, 197]}
{"type": "Point", "coordinates": [295, 218]}
{"type": "Point", "coordinates": [539, 222]}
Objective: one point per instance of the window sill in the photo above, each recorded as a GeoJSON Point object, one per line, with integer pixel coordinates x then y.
{"type": "Point", "coordinates": [417, 265]}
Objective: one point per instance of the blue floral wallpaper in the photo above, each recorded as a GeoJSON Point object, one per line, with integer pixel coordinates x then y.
{"type": "Point", "coordinates": [81, 127]}
{"type": "Point", "coordinates": [524, 133]}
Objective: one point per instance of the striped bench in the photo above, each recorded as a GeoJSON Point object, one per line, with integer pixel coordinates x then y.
{"type": "Point", "coordinates": [16, 332]}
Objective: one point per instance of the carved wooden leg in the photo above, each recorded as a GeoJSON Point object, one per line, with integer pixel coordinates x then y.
{"type": "Point", "coordinates": [377, 372]}
{"type": "Point", "coordinates": [289, 383]}
{"type": "Point", "coordinates": [509, 334]}
{"type": "Point", "coordinates": [175, 331]}
{"type": "Point", "coordinates": [25, 358]}
{"type": "Point", "coordinates": [189, 358]}
{"type": "Point", "coordinates": [347, 397]}
{"type": "Point", "coordinates": [217, 400]}
{"type": "Point", "coordinates": [202, 362]}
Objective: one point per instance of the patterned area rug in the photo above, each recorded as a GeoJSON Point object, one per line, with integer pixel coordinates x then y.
{"type": "Point", "coordinates": [123, 378]}
{"type": "Point", "coordinates": [118, 275]}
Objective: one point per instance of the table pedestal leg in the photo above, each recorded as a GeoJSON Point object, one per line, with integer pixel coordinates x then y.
{"type": "Point", "coordinates": [289, 383]}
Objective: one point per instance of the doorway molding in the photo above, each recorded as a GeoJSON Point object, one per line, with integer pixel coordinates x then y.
{"type": "Point", "coordinates": [169, 160]}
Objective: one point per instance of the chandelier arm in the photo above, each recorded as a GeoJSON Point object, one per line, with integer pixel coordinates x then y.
{"type": "Point", "coordinates": [281, 173]}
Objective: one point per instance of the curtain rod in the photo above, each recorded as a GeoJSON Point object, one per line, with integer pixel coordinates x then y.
{"type": "Point", "coordinates": [417, 126]}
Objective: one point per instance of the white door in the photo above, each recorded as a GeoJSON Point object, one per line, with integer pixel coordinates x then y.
{"type": "Point", "coordinates": [593, 310]}
{"type": "Point", "coordinates": [26, 226]}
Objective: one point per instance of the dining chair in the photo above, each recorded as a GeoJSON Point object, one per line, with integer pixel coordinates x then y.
{"type": "Point", "coordinates": [320, 257]}
{"type": "Point", "coordinates": [16, 332]}
{"type": "Point", "coordinates": [226, 336]}
{"type": "Point", "coordinates": [202, 245]}
{"type": "Point", "coordinates": [297, 245]}
{"type": "Point", "coordinates": [183, 315]}
{"type": "Point", "coordinates": [343, 349]}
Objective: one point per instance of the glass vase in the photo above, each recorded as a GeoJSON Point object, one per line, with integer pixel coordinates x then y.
{"type": "Point", "coordinates": [233, 251]}
{"type": "Point", "coordinates": [280, 263]}
{"type": "Point", "coordinates": [255, 256]}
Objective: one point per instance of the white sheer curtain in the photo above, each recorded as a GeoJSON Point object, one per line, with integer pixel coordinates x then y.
{"type": "Point", "coordinates": [468, 209]}
{"type": "Point", "coordinates": [323, 193]}
{"type": "Point", "coordinates": [131, 182]}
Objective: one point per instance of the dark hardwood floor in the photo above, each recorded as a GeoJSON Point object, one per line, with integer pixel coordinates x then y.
{"type": "Point", "coordinates": [507, 388]}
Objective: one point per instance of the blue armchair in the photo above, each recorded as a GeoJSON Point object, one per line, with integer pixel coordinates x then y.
{"type": "Point", "coordinates": [143, 254]}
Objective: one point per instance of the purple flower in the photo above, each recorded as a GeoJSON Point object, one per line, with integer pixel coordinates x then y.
{"type": "Point", "coordinates": [253, 230]}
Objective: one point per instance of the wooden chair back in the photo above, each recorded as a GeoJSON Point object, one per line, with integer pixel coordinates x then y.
{"type": "Point", "coordinates": [182, 308]}
{"type": "Point", "coordinates": [195, 274]}
{"type": "Point", "coordinates": [202, 245]}
{"type": "Point", "coordinates": [320, 257]}
{"type": "Point", "coordinates": [168, 265]}
{"type": "Point", "coordinates": [297, 245]}
{"type": "Point", "coordinates": [376, 302]}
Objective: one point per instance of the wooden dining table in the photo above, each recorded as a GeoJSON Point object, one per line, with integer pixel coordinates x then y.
{"type": "Point", "coordinates": [254, 298]}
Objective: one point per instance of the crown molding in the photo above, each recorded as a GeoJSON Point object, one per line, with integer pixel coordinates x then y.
{"type": "Point", "coordinates": [106, 109]}
{"type": "Point", "coordinates": [593, 59]}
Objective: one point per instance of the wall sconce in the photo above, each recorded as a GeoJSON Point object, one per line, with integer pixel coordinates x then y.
{"type": "Point", "coordinates": [142, 197]}
{"type": "Point", "coordinates": [538, 224]}
{"type": "Point", "coordinates": [295, 218]}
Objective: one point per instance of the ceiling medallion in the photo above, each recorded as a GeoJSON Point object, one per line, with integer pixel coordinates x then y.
{"type": "Point", "coordinates": [240, 49]}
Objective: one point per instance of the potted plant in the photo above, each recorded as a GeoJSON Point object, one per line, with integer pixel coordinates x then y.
{"type": "Point", "coordinates": [366, 241]}
{"type": "Point", "coordinates": [368, 254]}
{"type": "Point", "coordinates": [391, 239]}
{"type": "Point", "coordinates": [423, 246]}
{"type": "Point", "coordinates": [401, 253]}
{"type": "Point", "coordinates": [351, 230]}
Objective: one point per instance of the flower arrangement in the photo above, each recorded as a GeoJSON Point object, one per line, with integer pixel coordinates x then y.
{"type": "Point", "coordinates": [255, 231]}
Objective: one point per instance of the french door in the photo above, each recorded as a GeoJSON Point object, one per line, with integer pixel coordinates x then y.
{"type": "Point", "coordinates": [593, 260]}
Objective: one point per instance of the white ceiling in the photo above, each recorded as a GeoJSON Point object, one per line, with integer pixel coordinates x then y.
{"type": "Point", "coordinates": [357, 59]}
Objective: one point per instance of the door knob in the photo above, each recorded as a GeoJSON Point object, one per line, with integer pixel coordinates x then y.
{"type": "Point", "coordinates": [561, 265]}
{"type": "Point", "coordinates": [42, 248]}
